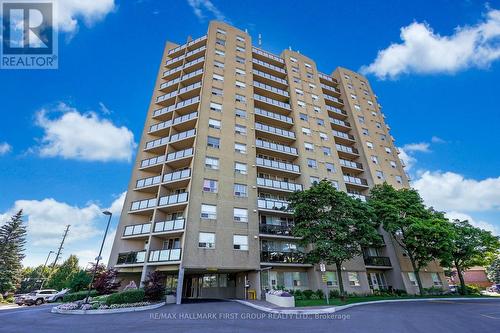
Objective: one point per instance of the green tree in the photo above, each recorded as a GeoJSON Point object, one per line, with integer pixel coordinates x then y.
{"type": "Point", "coordinates": [12, 240]}
{"type": "Point", "coordinates": [80, 281]}
{"type": "Point", "coordinates": [336, 225]}
{"type": "Point", "coordinates": [493, 271]}
{"type": "Point", "coordinates": [64, 274]}
{"type": "Point", "coordinates": [470, 246]}
{"type": "Point", "coordinates": [31, 278]}
{"type": "Point", "coordinates": [422, 233]}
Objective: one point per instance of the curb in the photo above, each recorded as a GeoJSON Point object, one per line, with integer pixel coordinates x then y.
{"type": "Point", "coordinates": [108, 311]}
{"type": "Point", "coordinates": [334, 309]}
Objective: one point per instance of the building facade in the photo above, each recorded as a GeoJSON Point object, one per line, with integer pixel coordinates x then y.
{"type": "Point", "coordinates": [230, 132]}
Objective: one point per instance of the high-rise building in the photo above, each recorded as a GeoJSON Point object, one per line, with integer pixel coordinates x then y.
{"type": "Point", "coordinates": [230, 132]}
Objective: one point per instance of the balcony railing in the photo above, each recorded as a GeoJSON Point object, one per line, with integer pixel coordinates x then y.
{"type": "Point", "coordinates": [189, 87]}
{"type": "Point", "coordinates": [162, 98]}
{"type": "Point", "coordinates": [271, 88]}
{"type": "Point", "coordinates": [179, 105]}
{"type": "Point", "coordinates": [343, 135]}
{"type": "Point", "coordinates": [273, 204]}
{"type": "Point", "coordinates": [172, 71]}
{"type": "Point", "coordinates": [326, 77]}
{"type": "Point", "coordinates": [351, 164]}
{"type": "Point", "coordinates": [329, 88]}
{"type": "Point", "coordinates": [173, 199]}
{"type": "Point", "coordinates": [336, 110]}
{"type": "Point", "coordinates": [346, 149]}
{"type": "Point", "coordinates": [145, 182]}
{"type": "Point", "coordinates": [278, 165]}
{"type": "Point", "coordinates": [273, 115]}
{"type": "Point", "coordinates": [333, 99]}
{"type": "Point", "coordinates": [274, 229]}
{"type": "Point", "coordinates": [282, 257]}
{"type": "Point", "coordinates": [276, 147]}
{"type": "Point", "coordinates": [271, 101]}
{"type": "Point", "coordinates": [355, 180]}
{"type": "Point", "coordinates": [137, 229]}
{"type": "Point", "coordinates": [164, 255]}
{"type": "Point", "coordinates": [377, 261]}
{"type": "Point", "coordinates": [171, 225]}
{"type": "Point", "coordinates": [357, 196]}
{"type": "Point", "coordinates": [180, 47]}
{"type": "Point", "coordinates": [268, 65]}
{"type": "Point", "coordinates": [182, 135]}
{"type": "Point", "coordinates": [194, 62]}
{"type": "Point", "coordinates": [269, 76]}
{"type": "Point", "coordinates": [281, 185]}
{"type": "Point", "coordinates": [180, 154]}
{"type": "Point", "coordinates": [177, 175]}
{"type": "Point", "coordinates": [133, 257]}
{"type": "Point", "coordinates": [200, 49]}
{"type": "Point", "coordinates": [274, 130]}
{"type": "Point", "coordinates": [156, 143]}
{"type": "Point", "coordinates": [143, 204]}
{"type": "Point", "coordinates": [339, 122]}
{"type": "Point", "coordinates": [152, 161]}
{"type": "Point", "coordinates": [268, 55]}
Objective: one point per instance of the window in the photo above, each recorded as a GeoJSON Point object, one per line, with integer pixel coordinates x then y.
{"type": "Point", "coordinates": [309, 146]}
{"type": "Point", "coordinates": [331, 279]}
{"type": "Point", "coordinates": [365, 131]}
{"type": "Point", "coordinates": [388, 150]}
{"type": "Point", "coordinates": [436, 280]}
{"type": "Point", "coordinates": [313, 180]}
{"type": "Point", "coordinates": [240, 85]}
{"type": "Point", "coordinates": [292, 59]}
{"type": "Point", "coordinates": [295, 69]}
{"type": "Point", "coordinates": [374, 113]}
{"type": "Point", "coordinates": [217, 91]}
{"type": "Point", "coordinates": [218, 77]}
{"type": "Point", "coordinates": [218, 64]}
{"type": "Point", "coordinates": [213, 142]}
{"type": "Point", "coordinates": [212, 163]}
{"type": "Point", "coordinates": [240, 214]}
{"type": "Point", "coordinates": [317, 109]}
{"type": "Point", "coordinates": [240, 129]}
{"type": "Point", "coordinates": [240, 98]}
{"type": "Point", "coordinates": [301, 104]}
{"type": "Point", "coordinates": [380, 174]}
{"type": "Point", "coordinates": [220, 42]}
{"type": "Point", "coordinates": [354, 96]}
{"type": "Point", "coordinates": [240, 39]}
{"type": "Point", "coordinates": [320, 122]}
{"type": "Point", "coordinates": [240, 60]}
{"type": "Point", "coordinates": [240, 148]}
{"type": "Point", "coordinates": [361, 119]}
{"type": "Point", "coordinates": [347, 77]}
{"type": "Point", "coordinates": [215, 107]}
{"type": "Point", "coordinates": [214, 123]}
{"type": "Point", "coordinates": [353, 279]}
{"type": "Point", "coordinates": [240, 168]}
{"type": "Point", "coordinates": [330, 167]}
{"type": "Point", "coordinates": [369, 144]}
{"type": "Point", "coordinates": [357, 107]}
{"type": "Point", "coordinates": [309, 75]}
{"type": "Point", "coordinates": [296, 80]}
{"type": "Point", "coordinates": [327, 151]}
{"type": "Point", "coordinates": [240, 113]}
{"type": "Point", "coordinates": [314, 97]}
{"type": "Point", "coordinates": [206, 240]}
{"type": "Point", "coordinates": [323, 136]}
{"type": "Point", "coordinates": [370, 103]}
{"type": "Point", "coordinates": [312, 86]}
{"type": "Point", "coordinates": [379, 125]}
{"type": "Point", "coordinates": [299, 92]}
{"type": "Point", "coordinates": [335, 184]}
{"type": "Point", "coordinates": [374, 159]}
{"type": "Point", "coordinates": [220, 53]}
{"type": "Point", "coordinates": [303, 116]}
{"type": "Point", "coordinates": [399, 179]}
{"type": "Point", "coordinates": [383, 137]}
{"type": "Point", "coordinates": [307, 65]}
{"type": "Point", "coordinates": [240, 242]}
{"type": "Point", "coordinates": [306, 131]}
{"type": "Point", "coordinates": [208, 212]}
{"type": "Point", "coordinates": [412, 278]}
{"type": "Point", "coordinates": [240, 190]}
{"type": "Point", "coordinates": [312, 163]}
{"type": "Point", "coordinates": [210, 185]}
{"type": "Point", "coordinates": [240, 49]}
{"type": "Point", "coordinates": [240, 72]}
{"type": "Point", "coordinates": [221, 31]}
{"type": "Point", "coordinates": [393, 164]}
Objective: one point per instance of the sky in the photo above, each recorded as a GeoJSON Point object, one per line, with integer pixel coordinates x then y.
{"type": "Point", "coordinates": [68, 136]}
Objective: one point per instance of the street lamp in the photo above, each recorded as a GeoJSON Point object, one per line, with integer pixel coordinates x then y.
{"type": "Point", "coordinates": [43, 269]}
{"type": "Point", "coordinates": [108, 213]}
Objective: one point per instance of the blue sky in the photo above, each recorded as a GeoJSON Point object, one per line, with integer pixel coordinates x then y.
{"type": "Point", "coordinates": [68, 136]}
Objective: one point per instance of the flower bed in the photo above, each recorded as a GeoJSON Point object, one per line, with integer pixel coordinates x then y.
{"type": "Point", "coordinates": [99, 308]}
{"type": "Point", "coordinates": [280, 298]}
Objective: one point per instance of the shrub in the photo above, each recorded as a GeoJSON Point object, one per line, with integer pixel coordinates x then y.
{"type": "Point", "coordinates": [106, 282]}
{"type": "Point", "coordinates": [307, 293]}
{"type": "Point", "coordinates": [433, 291]}
{"type": "Point", "coordinates": [334, 293]}
{"type": "Point", "coordinates": [472, 289]}
{"type": "Point", "coordinates": [400, 292]}
{"type": "Point", "coordinates": [1, 298]}
{"type": "Point", "coordinates": [297, 293]}
{"type": "Point", "coordinates": [314, 296]}
{"type": "Point", "coordinates": [129, 296]}
{"type": "Point", "coordinates": [9, 299]}
{"type": "Point", "coordinates": [154, 286]}
{"type": "Point", "coordinates": [320, 294]}
{"type": "Point", "coordinates": [72, 297]}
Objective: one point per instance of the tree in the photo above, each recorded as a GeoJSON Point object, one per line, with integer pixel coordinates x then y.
{"type": "Point", "coordinates": [31, 278]}
{"type": "Point", "coordinates": [422, 233]}
{"type": "Point", "coordinates": [154, 286]}
{"type": "Point", "coordinates": [493, 271]}
{"type": "Point", "coordinates": [336, 225]}
{"type": "Point", "coordinates": [105, 281]}
{"type": "Point", "coordinates": [12, 240]}
{"type": "Point", "coordinates": [64, 274]}
{"type": "Point", "coordinates": [470, 246]}
{"type": "Point", "coordinates": [80, 281]}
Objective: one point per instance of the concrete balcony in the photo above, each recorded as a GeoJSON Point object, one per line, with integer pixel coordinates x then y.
{"type": "Point", "coordinates": [355, 181]}
{"type": "Point", "coordinates": [351, 165]}
{"type": "Point", "coordinates": [148, 183]}
{"type": "Point", "coordinates": [273, 118]}
{"type": "Point", "coordinates": [348, 152]}
{"type": "Point", "coordinates": [275, 147]}
{"type": "Point", "coordinates": [131, 258]}
{"type": "Point", "coordinates": [170, 226]}
{"type": "Point", "coordinates": [163, 256]}
{"type": "Point", "coordinates": [137, 231]}
{"type": "Point", "coordinates": [340, 125]}
{"type": "Point", "coordinates": [273, 205]}
{"type": "Point", "coordinates": [281, 257]}
{"type": "Point", "coordinates": [268, 78]}
{"type": "Point", "coordinates": [278, 185]}
{"type": "Point", "coordinates": [336, 112]}
{"type": "Point", "coordinates": [278, 166]}
{"type": "Point", "coordinates": [378, 262]}
{"type": "Point", "coordinates": [342, 137]}
{"type": "Point", "coordinates": [265, 66]}
{"type": "Point", "coordinates": [271, 132]}
{"type": "Point", "coordinates": [272, 91]}
{"type": "Point", "coordinates": [275, 230]}
{"type": "Point", "coordinates": [267, 55]}
{"type": "Point", "coordinates": [152, 164]}
{"type": "Point", "coordinates": [272, 102]}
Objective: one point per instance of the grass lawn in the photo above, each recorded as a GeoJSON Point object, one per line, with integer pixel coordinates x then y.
{"type": "Point", "coordinates": [354, 299]}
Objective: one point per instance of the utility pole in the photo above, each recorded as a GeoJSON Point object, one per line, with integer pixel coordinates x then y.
{"type": "Point", "coordinates": [60, 246]}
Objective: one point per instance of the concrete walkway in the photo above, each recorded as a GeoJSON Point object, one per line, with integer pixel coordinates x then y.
{"type": "Point", "coordinates": [312, 310]}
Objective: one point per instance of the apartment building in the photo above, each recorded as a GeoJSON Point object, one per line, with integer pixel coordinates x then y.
{"type": "Point", "coordinates": [230, 132]}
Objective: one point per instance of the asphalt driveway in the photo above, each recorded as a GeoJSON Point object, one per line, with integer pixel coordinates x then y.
{"type": "Point", "coordinates": [432, 316]}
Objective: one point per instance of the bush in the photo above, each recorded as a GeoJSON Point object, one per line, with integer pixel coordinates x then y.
{"type": "Point", "coordinates": [297, 293]}
{"type": "Point", "coordinates": [1, 298]}
{"type": "Point", "coordinates": [334, 293]}
{"type": "Point", "coordinates": [314, 296]}
{"type": "Point", "coordinates": [307, 293]}
{"type": "Point", "coordinates": [472, 289]}
{"type": "Point", "coordinates": [9, 299]}
{"type": "Point", "coordinates": [129, 296]}
{"type": "Point", "coordinates": [320, 294]}
{"type": "Point", "coordinates": [154, 286]}
{"type": "Point", "coordinates": [400, 292]}
{"type": "Point", "coordinates": [433, 291]}
{"type": "Point", "coordinates": [78, 296]}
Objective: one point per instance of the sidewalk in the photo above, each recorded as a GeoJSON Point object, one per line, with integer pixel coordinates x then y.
{"type": "Point", "coordinates": [8, 306]}
{"type": "Point", "coordinates": [271, 308]}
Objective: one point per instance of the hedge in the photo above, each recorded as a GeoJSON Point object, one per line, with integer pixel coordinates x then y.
{"type": "Point", "coordinates": [127, 296]}
{"type": "Point", "coordinates": [72, 297]}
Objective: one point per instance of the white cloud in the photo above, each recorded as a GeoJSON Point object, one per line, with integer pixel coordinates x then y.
{"type": "Point", "coordinates": [480, 224]}
{"type": "Point", "coordinates": [104, 108]}
{"type": "Point", "coordinates": [117, 205]}
{"type": "Point", "coordinates": [5, 148]}
{"type": "Point", "coordinates": [450, 191]}
{"type": "Point", "coordinates": [420, 147]}
{"type": "Point", "coordinates": [436, 139]}
{"type": "Point", "coordinates": [83, 136]}
{"type": "Point", "coordinates": [87, 256]}
{"type": "Point", "coordinates": [70, 12]}
{"type": "Point", "coordinates": [407, 159]}
{"type": "Point", "coordinates": [423, 51]}
{"type": "Point", "coordinates": [201, 7]}
{"type": "Point", "coordinates": [407, 153]}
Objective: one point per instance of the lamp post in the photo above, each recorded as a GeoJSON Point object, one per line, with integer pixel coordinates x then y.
{"type": "Point", "coordinates": [43, 269]}
{"type": "Point", "coordinates": [108, 213]}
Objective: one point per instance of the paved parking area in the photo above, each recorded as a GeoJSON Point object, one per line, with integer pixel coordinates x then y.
{"type": "Point", "coordinates": [433, 316]}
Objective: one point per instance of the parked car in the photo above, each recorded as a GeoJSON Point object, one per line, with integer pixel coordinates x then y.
{"type": "Point", "coordinates": [19, 299]}
{"type": "Point", "coordinates": [58, 297]}
{"type": "Point", "coordinates": [38, 297]}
